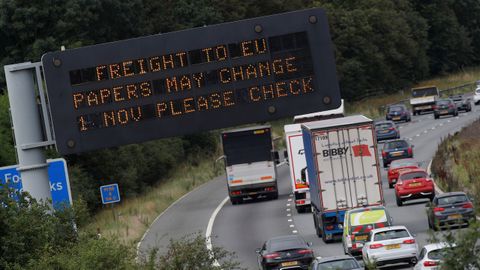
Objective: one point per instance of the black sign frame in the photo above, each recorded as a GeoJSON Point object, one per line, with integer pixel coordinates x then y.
{"type": "Point", "coordinates": [75, 128]}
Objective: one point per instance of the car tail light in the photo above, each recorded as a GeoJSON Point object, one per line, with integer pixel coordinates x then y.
{"type": "Point", "coordinates": [305, 251]}
{"type": "Point", "coordinates": [438, 209]}
{"type": "Point", "coordinates": [384, 154]}
{"type": "Point", "coordinates": [375, 246]}
{"type": "Point", "coordinates": [467, 205]}
{"type": "Point", "coordinates": [300, 201]}
{"type": "Point", "coordinates": [430, 263]}
{"type": "Point", "coordinates": [391, 129]}
{"type": "Point", "coordinates": [434, 107]}
{"type": "Point", "coordinates": [236, 192]}
{"type": "Point", "coordinates": [354, 245]}
{"type": "Point", "coordinates": [269, 189]}
{"type": "Point", "coordinates": [410, 152]}
{"type": "Point", "coordinates": [409, 241]}
{"type": "Point", "coordinates": [451, 106]}
{"type": "Point", "coordinates": [329, 227]}
{"type": "Point", "coordinates": [271, 256]}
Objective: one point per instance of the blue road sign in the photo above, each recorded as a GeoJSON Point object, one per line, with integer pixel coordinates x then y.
{"type": "Point", "coordinates": [110, 193]}
{"type": "Point", "coordinates": [57, 175]}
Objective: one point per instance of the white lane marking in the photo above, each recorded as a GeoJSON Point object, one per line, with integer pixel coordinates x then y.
{"type": "Point", "coordinates": [290, 220]}
{"type": "Point", "coordinates": [289, 200]}
{"type": "Point", "coordinates": [294, 231]}
{"type": "Point", "coordinates": [288, 204]}
{"type": "Point", "coordinates": [289, 215]}
{"type": "Point", "coordinates": [288, 209]}
{"type": "Point", "coordinates": [441, 124]}
{"type": "Point", "coordinates": [208, 233]}
{"type": "Point", "coordinates": [418, 135]}
{"type": "Point", "coordinates": [425, 131]}
{"type": "Point", "coordinates": [292, 226]}
{"type": "Point", "coordinates": [448, 121]}
{"type": "Point", "coordinates": [410, 139]}
{"type": "Point", "coordinates": [433, 128]}
{"type": "Point", "coordinates": [291, 195]}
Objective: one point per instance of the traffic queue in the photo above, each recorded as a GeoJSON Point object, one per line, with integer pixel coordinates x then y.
{"type": "Point", "coordinates": [335, 172]}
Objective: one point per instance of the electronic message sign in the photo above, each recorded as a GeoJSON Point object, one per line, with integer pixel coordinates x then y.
{"type": "Point", "coordinates": [183, 82]}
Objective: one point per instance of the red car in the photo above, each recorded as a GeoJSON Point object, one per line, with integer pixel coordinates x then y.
{"type": "Point", "coordinates": [414, 184]}
{"type": "Point", "coordinates": [398, 166]}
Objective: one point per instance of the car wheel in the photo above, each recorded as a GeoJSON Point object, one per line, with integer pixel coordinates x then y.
{"type": "Point", "coordinates": [429, 223]}
{"type": "Point", "coordinates": [390, 185]}
{"type": "Point", "coordinates": [317, 230]}
{"type": "Point", "coordinates": [274, 196]}
{"type": "Point", "coordinates": [385, 164]}
{"type": "Point", "coordinates": [234, 201]}
{"type": "Point", "coordinates": [435, 116]}
{"type": "Point", "coordinates": [399, 201]}
{"type": "Point", "coordinates": [431, 197]}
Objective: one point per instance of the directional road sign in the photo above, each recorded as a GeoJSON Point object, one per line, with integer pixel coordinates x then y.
{"type": "Point", "coordinates": [110, 193]}
{"type": "Point", "coordinates": [58, 177]}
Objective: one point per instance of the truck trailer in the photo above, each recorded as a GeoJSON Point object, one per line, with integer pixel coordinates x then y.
{"type": "Point", "coordinates": [295, 155]}
{"type": "Point", "coordinates": [250, 163]}
{"type": "Point", "coordinates": [343, 168]}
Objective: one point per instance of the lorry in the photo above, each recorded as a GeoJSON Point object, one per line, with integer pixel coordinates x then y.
{"type": "Point", "coordinates": [343, 168]}
{"type": "Point", "coordinates": [423, 99]}
{"type": "Point", "coordinates": [295, 155]}
{"type": "Point", "coordinates": [250, 163]}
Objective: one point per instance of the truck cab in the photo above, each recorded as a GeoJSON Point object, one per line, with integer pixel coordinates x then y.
{"type": "Point", "coordinates": [250, 163]}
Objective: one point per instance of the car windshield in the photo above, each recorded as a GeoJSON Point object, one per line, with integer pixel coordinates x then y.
{"type": "Point", "coordinates": [423, 92]}
{"type": "Point", "coordinates": [443, 102]}
{"type": "Point", "coordinates": [413, 175]}
{"type": "Point", "coordinates": [392, 234]}
{"type": "Point", "coordinates": [452, 199]}
{"type": "Point", "coordinates": [287, 243]}
{"type": "Point", "coordinates": [395, 144]}
{"type": "Point", "coordinates": [339, 264]}
{"type": "Point", "coordinates": [383, 125]}
{"type": "Point", "coordinates": [402, 163]}
{"type": "Point", "coordinates": [436, 254]}
{"type": "Point", "coordinates": [395, 109]}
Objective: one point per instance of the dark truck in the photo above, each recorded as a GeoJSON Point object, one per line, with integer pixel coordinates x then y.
{"type": "Point", "coordinates": [250, 163]}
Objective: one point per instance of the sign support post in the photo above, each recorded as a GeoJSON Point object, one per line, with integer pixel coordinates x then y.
{"type": "Point", "coordinates": [27, 129]}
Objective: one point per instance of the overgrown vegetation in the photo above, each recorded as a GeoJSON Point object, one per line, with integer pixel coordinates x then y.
{"type": "Point", "coordinates": [32, 237]}
{"type": "Point", "coordinates": [456, 162]}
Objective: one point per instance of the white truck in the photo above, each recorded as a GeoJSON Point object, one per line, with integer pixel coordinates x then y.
{"type": "Point", "coordinates": [343, 168]}
{"type": "Point", "coordinates": [250, 163]}
{"type": "Point", "coordinates": [296, 156]}
{"type": "Point", "coordinates": [423, 99]}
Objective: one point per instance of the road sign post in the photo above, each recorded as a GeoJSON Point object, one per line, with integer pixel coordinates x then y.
{"type": "Point", "coordinates": [27, 129]}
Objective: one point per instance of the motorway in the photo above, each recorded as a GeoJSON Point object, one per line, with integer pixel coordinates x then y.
{"type": "Point", "coordinates": [243, 228]}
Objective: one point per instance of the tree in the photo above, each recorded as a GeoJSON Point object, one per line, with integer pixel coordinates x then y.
{"type": "Point", "coordinates": [7, 153]}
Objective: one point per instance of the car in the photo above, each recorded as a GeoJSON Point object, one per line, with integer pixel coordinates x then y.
{"type": "Point", "coordinates": [444, 107]}
{"type": "Point", "coordinates": [414, 184]}
{"type": "Point", "coordinates": [390, 245]}
{"type": "Point", "coordinates": [431, 256]}
{"type": "Point", "coordinates": [343, 262]}
{"type": "Point", "coordinates": [462, 103]}
{"type": "Point", "coordinates": [358, 223]}
{"type": "Point", "coordinates": [476, 95]}
{"type": "Point", "coordinates": [450, 209]}
{"type": "Point", "coordinates": [397, 149]}
{"type": "Point", "coordinates": [398, 112]}
{"type": "Point", "coordinates": [398, 166]}
{"type": "Point", "coordinates": [285, 251]}
{"type": "Point", "coordinates": [386, 130]}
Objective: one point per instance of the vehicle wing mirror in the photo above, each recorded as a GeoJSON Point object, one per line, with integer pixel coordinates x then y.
{"type": "Point", "coordinates": [276, 156]}
{"type": "Point", "coordinates": [391, 220]}
{"type": "Point", "coordinates": [303, 174]}
{"type": "Point", "coordinates": [310, 244]}
{"type": "Point", "coordinates": [258, 250]}
{"type": "Point", "coordinates": [285, 154]}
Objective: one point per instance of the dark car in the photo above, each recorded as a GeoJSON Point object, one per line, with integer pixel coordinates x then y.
{"type": "Point", "coordinates": [450, 209]}
{"type": "Point", "coordinates": [285, 252]}
{"type": "Point", "coordinates": [398, 112]}
{"type": "Point", "coordinates": [344, 262]}
{"type": "Point", "coordinates": [386, 130]}
{"type": "Point", "coordinates": [397, 149]}
{"type": "Point", "coordinates": [462, 104]}
{"type": "Point", "coordinates": [445, 107]}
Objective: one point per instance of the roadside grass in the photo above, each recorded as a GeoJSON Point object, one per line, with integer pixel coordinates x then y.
{"type": "Point", "coordinates": [129, 220]}
{"type": "Point", "coordinates": [455, 164]}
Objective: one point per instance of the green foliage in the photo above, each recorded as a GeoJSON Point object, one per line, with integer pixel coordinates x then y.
{"type": "Point", "coordinates": [7, 151]}
{"type": "Point", "coordinates": [463, 251]}
{"type": "Point", "coordinates": [190, 252]}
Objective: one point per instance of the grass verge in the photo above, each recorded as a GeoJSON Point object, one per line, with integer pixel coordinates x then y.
{"type": "Point", "coordinates": [456, 162]}
{"type": "Point", "coordinates": [129, 220]}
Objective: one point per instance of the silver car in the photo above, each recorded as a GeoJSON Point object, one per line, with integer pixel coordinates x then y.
{"type": "Point", "coordinates": [431, 256]}
{"type": "Point", "coordinates": [343, 262]}
{"type": "Point", "coordinates": [390, 245]}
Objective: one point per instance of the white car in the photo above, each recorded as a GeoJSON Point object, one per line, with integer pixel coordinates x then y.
{"type": "Point", "coordinates": [390, 245]}
{"type": "Point", "coordinates": [476, 95]}
{"type": "Point", "coordinates": [430, 256]}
